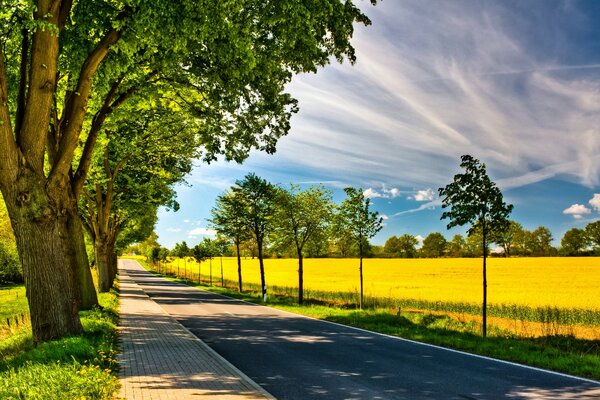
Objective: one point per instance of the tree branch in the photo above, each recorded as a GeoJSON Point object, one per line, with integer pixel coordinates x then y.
{"type": "Point", "coordinates": [8, 148]}
{"type": "Point", "coordinates": [77, 104]}
{"type": "Point", "coordinates": [23, 72]}
{"type": "Point", "coordinates": [31, 138]}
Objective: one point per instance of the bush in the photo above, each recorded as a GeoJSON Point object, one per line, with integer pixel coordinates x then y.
{"type": "Point", "coordinates": [10, 266]}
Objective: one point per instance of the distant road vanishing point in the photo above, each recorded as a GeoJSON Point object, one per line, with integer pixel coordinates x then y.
{"type": "Point", "coordinates": [295, 357]}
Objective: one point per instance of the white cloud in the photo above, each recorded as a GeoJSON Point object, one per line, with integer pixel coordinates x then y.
{"type": "Point", "coordinates": [420, 239]}
{"type": "Point", "coordinates": [384, 217]}
{"type": "Point", "coordinates": [595, 202]}
{"type": "Point", "coordinates": [385, 193]}
{"type": "Point", "coordinates": [174, 230]}
{"type": "Point", "coordinates": [202, 232]}
{"type": "Point", "coordinates": [370, 193]}
{"type": "Point", "coordinates": [577, 211]}
{"type": "Point", "coordinates": [424, 195]}
{"type": "Point", "coordinates": [187, 221]}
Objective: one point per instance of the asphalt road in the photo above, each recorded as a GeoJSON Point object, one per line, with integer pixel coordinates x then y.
{"type": "Point", "coordinates": [294, 357]}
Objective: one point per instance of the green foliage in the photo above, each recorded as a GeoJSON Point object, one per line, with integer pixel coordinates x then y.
{"type": "Point", "coordinates": [574, 242]}
{"type": "Point", "coordinates": [456, 246]}
{"type": "Point", "coordinates": [10, 265]}
{"type": "Point", "coordinates": [592, 231]}
{"type": "Point", "coordinates": [181, 250]}
{"type": "Point", "coordinates": [404, 246]}
{"type": "Point", "coordinates": [434, 245]}
{"type": "Point", "coordinates": [302, 216]}
{"type": "Point", "coordinates": [227, 217]}
{"type": "Point", "coordinates": [205, 250]}
{"type": "Point", "coordinates": [356, 218]}
{"type": "Point", "coordinates": [474, 199]}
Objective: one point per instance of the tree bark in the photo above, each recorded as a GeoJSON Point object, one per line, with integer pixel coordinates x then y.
{"type": "Point", "coordinates": [239, 263]}
{"type": "Point", "coordinates": [103, 264]}
{"type": "Point", "coordinates": [360, 269]}
{"type": "Point", "coordinates": [262, 271]}
{"type": "Point", "coordinates": [300, 277]}
{"type": "Point", "coordinates": [484, 306]}
{"type": "Point", "coordinates": [38, 220]}
{"type": "Point", "coordinates": [75, 245]}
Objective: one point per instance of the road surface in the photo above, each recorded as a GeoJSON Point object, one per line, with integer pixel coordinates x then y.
{"type": "Point", "coordinates": [294, 357]}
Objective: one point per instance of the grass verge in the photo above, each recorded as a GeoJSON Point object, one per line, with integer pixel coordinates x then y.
{"type": "Point", "coordinates": [77, 367]}
{"type": "Point", "coordinates": [562, 353]}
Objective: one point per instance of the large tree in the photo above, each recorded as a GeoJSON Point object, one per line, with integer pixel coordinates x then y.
{"type": "Point", "coordinates": [434, 245]}
{"type": "Point", "coordinates": [258, 201]}
{"type": "Point", "coordinates": [66, 64]}
{"type": "Point", "coordinates": [474, 199]}
{"type": "Point", "coordinates": [302, 215]}
{"type": "Point", "coordinates": [506, 237]}
{"type": "Point", "coordinates": [592, 231]}
{"type": "Point", "coordinates": [357, 218]}
{"type": "Point", "coordinates": [574, 241]}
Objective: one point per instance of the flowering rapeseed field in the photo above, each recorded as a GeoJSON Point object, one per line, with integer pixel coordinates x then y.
{"type": "Point", "coordinates": [562, 282]}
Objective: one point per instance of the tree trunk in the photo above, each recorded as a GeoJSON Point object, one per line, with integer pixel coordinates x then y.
{"type": "Point", "coordinates": [300, 278]}
{"type": "Point", "coordinates": [239, 262]}
{"type": "Point", "coordinates": [360, 269]}
{"type": "Point", "coordinates": [75, 243]}
{"type": "Point", "coordinates": [103, 264]}
{"type": "Point", "coordinates": [210, 271]}
{"type": "Point", "coordinates": [262, 272]}
{"type": "Point", "coordinates": [484, 306]}
{"type": "Point", "coordinates": [39, 221]}
{"type": "Point", "coordinates": [222, 279]}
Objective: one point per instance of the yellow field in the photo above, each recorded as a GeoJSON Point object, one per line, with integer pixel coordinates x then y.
{"type": "Point", "coordinates": [558, 282]}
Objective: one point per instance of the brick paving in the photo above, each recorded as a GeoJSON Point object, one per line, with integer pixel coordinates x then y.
{"type": "Point", "coordinates": [162, 360]}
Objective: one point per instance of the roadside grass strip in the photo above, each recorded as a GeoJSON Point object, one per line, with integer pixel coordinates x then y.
{"type": "Point", "coordinates": [553, 351]}
{"type": "Point", "coordinates": [77, 367]}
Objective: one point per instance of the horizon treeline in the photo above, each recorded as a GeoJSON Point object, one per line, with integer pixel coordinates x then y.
{"type": "Point", "coordinates": [329, 240]}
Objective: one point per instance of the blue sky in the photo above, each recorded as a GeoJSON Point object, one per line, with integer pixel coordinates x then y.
{"type": "Point", "coordinates": [515, 84]}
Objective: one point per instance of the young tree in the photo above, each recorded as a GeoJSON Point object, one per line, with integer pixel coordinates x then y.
{"type": "Point", "coordinates": [361, 223]}
{"type": "Point", "coordinates": [540, 242]}
{"type": "Point", "coordinates": [228, 220]}
{"type": "Point", "coordinates": [258, 204]}
{"type": "Point", "coordinates": [434, 245]}
{"type": "Point", "coordinates": [56, 94]}
{"type": "Point", "coordinates": [474, 199]}
{"type": "Point", "coordinates": [222, 246]}
{"type": "Point", "coordinates": [300, 216]}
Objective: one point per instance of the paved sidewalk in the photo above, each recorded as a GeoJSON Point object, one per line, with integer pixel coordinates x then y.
{"type": "Point", "coordinates": [161, 359]}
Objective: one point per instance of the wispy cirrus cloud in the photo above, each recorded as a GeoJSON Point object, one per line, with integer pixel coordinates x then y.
{"type": "Point", "coordinates": [443, 81]}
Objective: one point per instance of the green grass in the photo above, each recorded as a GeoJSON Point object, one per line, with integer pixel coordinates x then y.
{"type": "Point", "coordinates": [559, 353]}
{"type": "Point", "coordinates": [69, 368]}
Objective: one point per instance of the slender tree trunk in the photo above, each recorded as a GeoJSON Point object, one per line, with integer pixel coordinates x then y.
{"type": "Point", "coordinates": [484, 306]}
{"type": "Point", "coordinates": [300, 276]}
{"type": "Point", "coordinates": [239, 263]}
{"type": "Point", "coordinates": [222, 280]}
{"type": "Point", "coordinates": [210, 271]}
{"type": "Point", "coordinates": [262, 271]}
{"type": "Point", "coordinates": [38, 220]}
{"type": "Point", "coordinates": [360, 269]}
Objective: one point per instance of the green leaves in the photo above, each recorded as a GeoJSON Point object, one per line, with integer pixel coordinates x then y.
{"type": "Point", "coordinates": [473, 198]}
{"type": "Point", "coordinates": [356, 218]}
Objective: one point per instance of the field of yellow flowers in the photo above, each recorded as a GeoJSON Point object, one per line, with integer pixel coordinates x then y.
{"type": "Point", "coordinates": [530, 296]}
{"type": "Point", "coordinates": [562, 282]}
